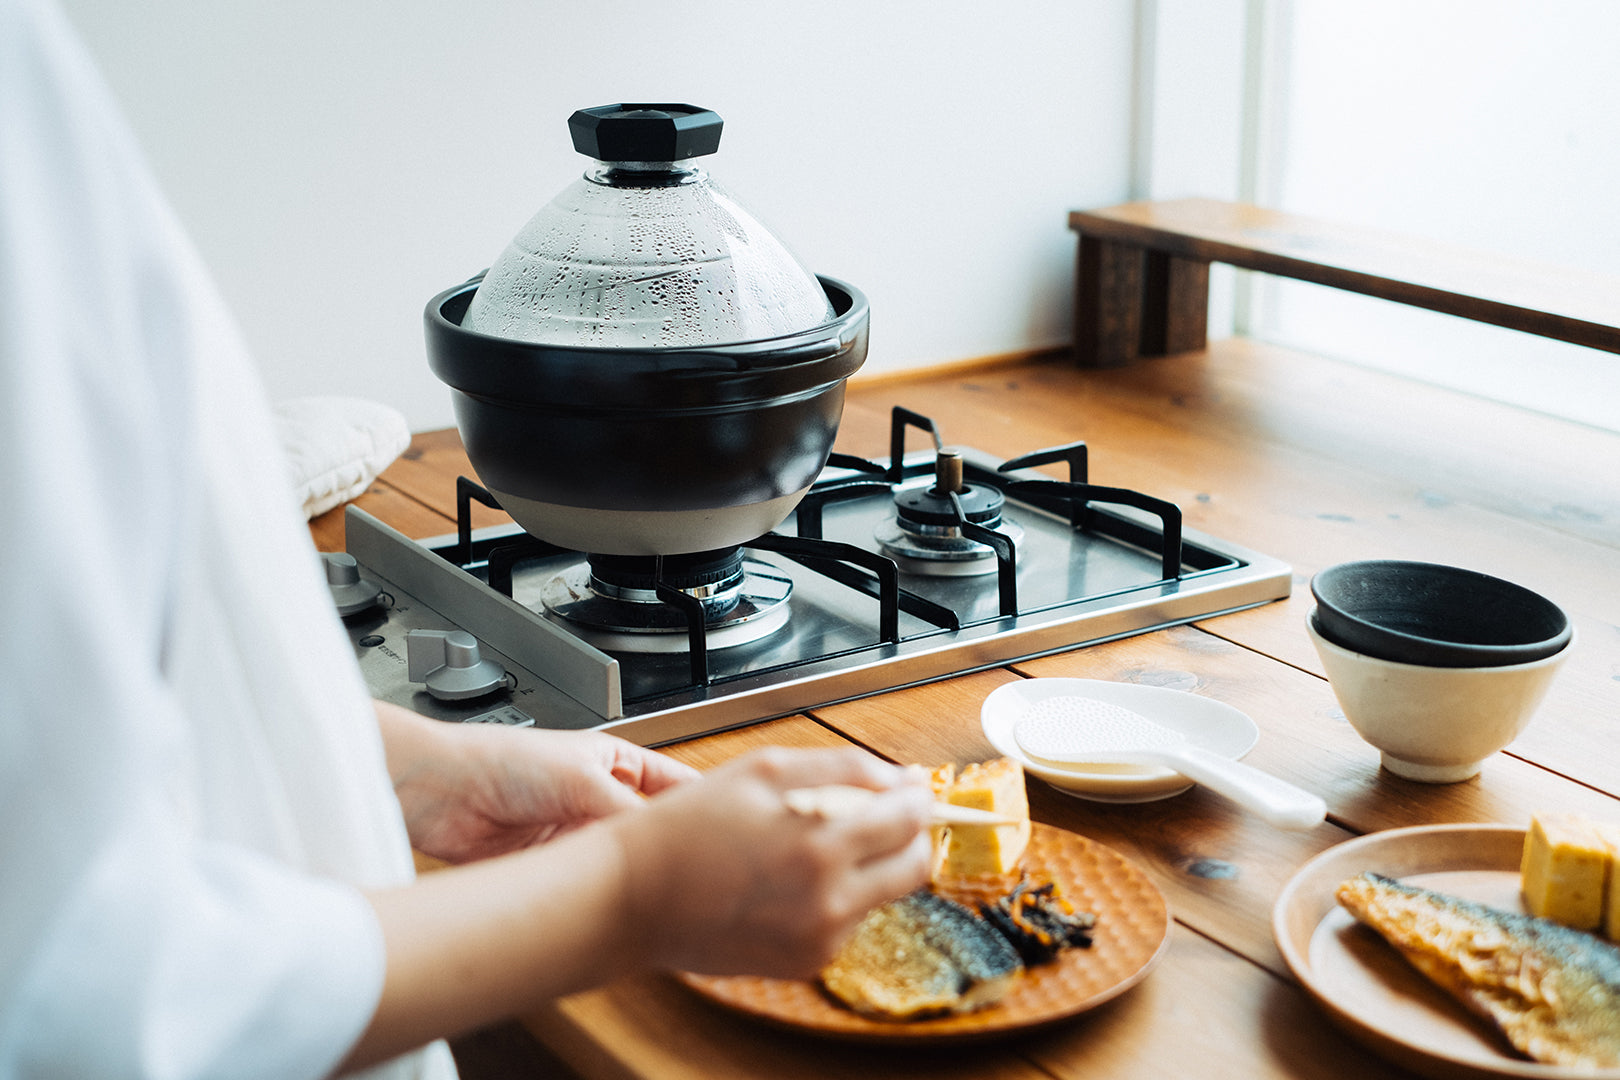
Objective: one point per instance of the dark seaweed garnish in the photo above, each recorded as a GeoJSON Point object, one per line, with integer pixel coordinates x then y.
{"type": "Point", "coordinates": [1038, 922]}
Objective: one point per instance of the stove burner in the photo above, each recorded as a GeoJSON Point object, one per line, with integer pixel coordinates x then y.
{"type": "Point", "coordinates": [713, 577]}
{"type": "Point", "coordinates": [613, 599]}
{"type": "Point", "coordinates": [925, 535]}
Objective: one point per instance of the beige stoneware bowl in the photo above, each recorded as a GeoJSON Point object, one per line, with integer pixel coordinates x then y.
{"type": "Point", "coordinates": [1434, 724]}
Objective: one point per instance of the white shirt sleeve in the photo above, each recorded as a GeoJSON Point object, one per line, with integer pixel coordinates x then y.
{"type": "Point", "coordinates": [192, 787]}
{"type": "Point", "coordinates": [175, 960]}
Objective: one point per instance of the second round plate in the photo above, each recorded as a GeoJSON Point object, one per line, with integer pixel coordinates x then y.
{"type": "Point", "coordinates": [1368, 988]}
{"type": "Point", "coordinates": [1212, 725]}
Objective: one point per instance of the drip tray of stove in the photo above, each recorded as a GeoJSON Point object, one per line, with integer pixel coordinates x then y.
{"type": "Point", "coordinates": [828, 651]}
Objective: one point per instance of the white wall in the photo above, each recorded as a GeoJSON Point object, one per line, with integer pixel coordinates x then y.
{"type": "Point", "coordinates": [339, 163]}
{"type": "Point", "coordinates": [1193, 127]}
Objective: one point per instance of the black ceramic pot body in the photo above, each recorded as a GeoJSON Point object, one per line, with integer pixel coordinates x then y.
{"type": "Point", "coordinates": [648, 451]}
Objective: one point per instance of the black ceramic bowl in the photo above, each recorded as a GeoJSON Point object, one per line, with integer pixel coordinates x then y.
{"type": "Point", "coordinates": [648, 451]}
{"type": "Point", "coordinates": [1434, 615]}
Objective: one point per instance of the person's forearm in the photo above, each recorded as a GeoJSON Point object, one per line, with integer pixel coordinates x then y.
{"type": "Point", "coordinates": [717, 875]}
{"type": "Point", "coordinates": [471, 945]}
{"type": "Point", "coordinates": [409, 739]}
{"type": "Point", "coordinates": [427, 768]}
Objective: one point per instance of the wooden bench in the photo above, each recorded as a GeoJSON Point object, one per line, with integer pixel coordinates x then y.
{"type": "Point", "coordinates": [1142, 283]}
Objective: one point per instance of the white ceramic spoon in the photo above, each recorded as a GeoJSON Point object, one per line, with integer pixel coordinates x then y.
{"type": "Point", "coordinates": [1069, 730]}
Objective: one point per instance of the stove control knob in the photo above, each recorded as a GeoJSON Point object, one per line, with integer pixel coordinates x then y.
{"type": "Point", "coordinates": [350, 591]}
{"type": "Point", "coordinates": [448, 661]}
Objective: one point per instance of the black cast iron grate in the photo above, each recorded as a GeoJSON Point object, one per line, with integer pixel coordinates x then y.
{"type": "Point", "coordinates": [868, 572]}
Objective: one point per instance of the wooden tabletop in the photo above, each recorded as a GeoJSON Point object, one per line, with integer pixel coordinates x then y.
{"type": "Point", "coordinates": [1302, 458]}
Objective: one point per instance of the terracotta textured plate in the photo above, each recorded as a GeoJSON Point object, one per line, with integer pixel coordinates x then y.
{"type": "Point", "coordinates": [1133, 930]}
{"type": "Point", "coordinates": [1365, 985]}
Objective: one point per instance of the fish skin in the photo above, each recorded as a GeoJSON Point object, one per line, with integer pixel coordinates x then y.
{"type": "Point", "coordinates": [886, 971]}
{"type": "Point", "coordinates": [986, 959]}
{"type": "Point", "coordinates": [1552, 991]}
{"type": "Point", "coordinates": [921, 955]}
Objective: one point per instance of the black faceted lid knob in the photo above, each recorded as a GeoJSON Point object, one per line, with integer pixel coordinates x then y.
{"type": "Point", "coordinates": [643, 132]}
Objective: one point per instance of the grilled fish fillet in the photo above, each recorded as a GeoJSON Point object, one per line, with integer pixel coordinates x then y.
{"type": "Point", "coordinates": [1552, 991]}
{"type": "Point", "coordinates": [921, 955]}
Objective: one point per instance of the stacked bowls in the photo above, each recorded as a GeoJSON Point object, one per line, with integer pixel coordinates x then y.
{"type": "Point", "coordinates": [1436, 666]}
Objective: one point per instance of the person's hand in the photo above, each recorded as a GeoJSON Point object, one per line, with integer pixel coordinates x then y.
{"type": "Point", "coordinates": [469, 791]}
{"type": "Point", "coordinates": [724, 878]}
{"type": "Point", "coordinates": [716, 875]}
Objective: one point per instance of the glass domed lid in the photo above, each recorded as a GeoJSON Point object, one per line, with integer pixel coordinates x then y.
{"type": "Point", "coordinates": [645, 250]}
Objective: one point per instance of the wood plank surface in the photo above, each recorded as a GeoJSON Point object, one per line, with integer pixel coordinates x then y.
{"type": "Point", "coordinates": [1204, 1013]}
{"type": "Point", "coordinates": [388, 502]}
{"type": "Point", "coordinates": [1547, 299]}
{"type": "Point", "coordinates": [1243, 1022]}
{"type": "Point", "coordinates": [428, 471]}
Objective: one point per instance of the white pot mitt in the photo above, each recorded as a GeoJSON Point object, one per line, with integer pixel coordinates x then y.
{"type": "Point", "coordinates": [336, 446]}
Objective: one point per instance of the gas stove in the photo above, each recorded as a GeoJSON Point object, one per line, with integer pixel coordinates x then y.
{"type": "Point", "coordinates": [890, 574]}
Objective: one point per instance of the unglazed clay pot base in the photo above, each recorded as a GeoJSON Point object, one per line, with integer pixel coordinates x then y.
{"type": "Point", "coordinates": [1434, 724]}
{"type": "Point", "coordinates": [1430, 774]}
{"type": "Point", "coordinates": [647, 532]}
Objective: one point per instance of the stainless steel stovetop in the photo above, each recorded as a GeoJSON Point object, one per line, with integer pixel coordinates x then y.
{"type": "Point", "coordinates": [1067, 565]}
